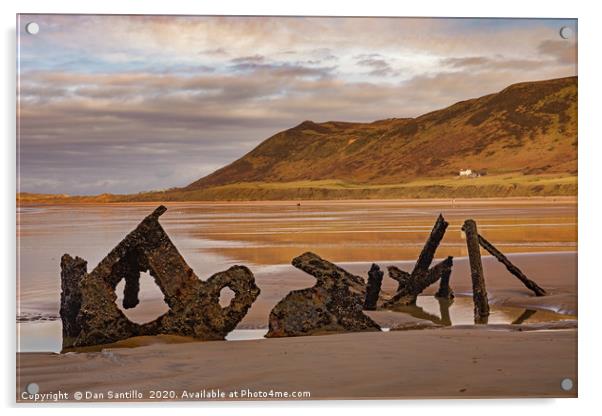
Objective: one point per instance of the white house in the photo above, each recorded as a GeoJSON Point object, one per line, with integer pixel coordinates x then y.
{"type": "Point", "coordinates": [467, 172]}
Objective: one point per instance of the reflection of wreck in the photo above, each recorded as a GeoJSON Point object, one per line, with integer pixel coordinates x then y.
{"type": "Point", "coordinates": [90, 315]}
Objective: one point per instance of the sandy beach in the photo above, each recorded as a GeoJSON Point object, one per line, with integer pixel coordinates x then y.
{"type": "Point", "coordinates": [438, 363]}
{"type": "Point", "coordinates": [499, 360]}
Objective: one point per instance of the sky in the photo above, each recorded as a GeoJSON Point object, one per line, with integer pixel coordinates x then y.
{"type": "Point", "coordinates": [124, 104]}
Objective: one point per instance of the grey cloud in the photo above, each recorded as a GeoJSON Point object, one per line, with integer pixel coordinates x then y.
{"type": "Point", "coordinates": [367, 56]}
{"type": "Point", "coordinates": [297, 69]}
{"type": "Point", "coordinates": [564, 51]}
{"type": "Point", "coordinates": [466, 61]}
{"type": "Point", "coordinates": [252, 59]}
{"type": "Point", "coordinates": [380, 67]}
{"type": "Point", "coordinates": [497, 63]}
{"type": "Point", "coordinates": [374, 63]}
{"type": "Point", "coordinates": [214, 52]}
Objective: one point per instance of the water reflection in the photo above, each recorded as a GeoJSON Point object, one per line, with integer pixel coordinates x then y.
{"type": "Point", "coordinates": [524, 316]}
{"type": "Point", "coordinates": [444, 317]}
{"type": "Point", "coordinates": [460, 311]}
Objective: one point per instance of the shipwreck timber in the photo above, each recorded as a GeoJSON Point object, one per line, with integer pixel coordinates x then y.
{"type": "Point", "coordinates": [479, 291]}
{"type": "Point", "coordinates": [529, 284]}
{"type": "Point", "coordinates": [410, 285]}
{"type": "Point", "coordinates": [90, 315]}
{"type": "Point", "coordinates": [375, 280]}
{"type": "Point", "coordinates": [333, 304]}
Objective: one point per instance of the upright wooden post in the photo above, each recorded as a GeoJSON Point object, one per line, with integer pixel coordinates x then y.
{"type": "Point", "coordinates": [375, 280]}
{"type": "Point", "coordinates": [444, 305]}
{"type": "Point", "coordinates": [445, 291]}
{"type": "Point", "coordinates": [479, 292]}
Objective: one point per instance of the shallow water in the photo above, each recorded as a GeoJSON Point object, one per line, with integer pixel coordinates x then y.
{"type": "Point", "coordinates": [45, 335]}
{"type": "Point", "coordinates": [459, 311]}
{"type": "Point", "coordinates": [265, 237]}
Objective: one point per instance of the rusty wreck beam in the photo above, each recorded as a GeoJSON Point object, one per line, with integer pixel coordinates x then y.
{"type": "Point", "coordinates": [410, 285]}
{"type": "Point", "coordinates": [430, 247]}
{"type": "Point", "coordinates": [375, 280]}
{"type": "Point", "coordinates": [326, 272]}
{"type": "Point", "coordinates": [479, 292]}
{"type": "Point", "coordinates": [530, 284]}
{"type": "Point", "coordinates": [400, 276]}
{"type": "Point", "coordinates": [445, 291]}
{"type": "Point", "coordinates": [408, 294]}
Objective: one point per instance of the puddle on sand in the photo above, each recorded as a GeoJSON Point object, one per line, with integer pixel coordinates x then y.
{"type": "Point", "coordinates": [459, 311]}
{"type": "Point", "coordinates": [45, 335]}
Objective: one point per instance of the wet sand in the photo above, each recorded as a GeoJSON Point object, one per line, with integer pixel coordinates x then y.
{"type": "Point", "coordinates": [539, 236]}
{"type": "Point", "coordinates": [555, 272]}
{"type": "Point", "coordinates": [266, 236]}
{"type": "Point", "coordinates": [464, 361]}
{"type": "Point", "coordinates": [437, 363]}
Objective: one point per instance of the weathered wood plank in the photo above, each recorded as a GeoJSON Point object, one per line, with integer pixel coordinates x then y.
{"type": "Point", "coordinates": [375, 280]}
{"type": "Point", "coordinates": [479, 291]}
{"type": "Point", "coordinates": [530, 284]}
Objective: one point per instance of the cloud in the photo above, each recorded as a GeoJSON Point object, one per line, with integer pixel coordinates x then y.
{"type": "Point", "coordinates": [253, 59]}
{"type": "Point", "coordinates": [496, 63]}
{"type": "Point", "coordinates": [380, 67]}
{"type": "Point", "coordinates": [466, 61]}
{"type": "Point", "coordinates": [565, 52]}
{"type": "Point", "coordinates": [158, 102]}
{"type": "Point", "coordinates": [215, 52]}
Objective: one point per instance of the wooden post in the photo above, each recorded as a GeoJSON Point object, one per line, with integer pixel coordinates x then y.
{"type": "Point", "coordinates": [444, 305]}
{"type": "Point", "coordinates": [530, 284]}
{"type": "Point", "coordinates": [400, 276]}
{"type": "Point", "coordinates": [428, 251]}
{"type": "Point", "coordinates": [410, 285]}
{"type": "Point", "coordinates": [445, 291]}
{"type": "Point", "coordinates": [479, 292]}
{"type": "Point", "coordinates": [414, 286]}
{"type": "Point", "coordinates": [375, 279]}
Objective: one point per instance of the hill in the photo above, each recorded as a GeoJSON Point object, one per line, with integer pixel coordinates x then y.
{"type": "Point", "coordinates": [522, 141]}
{"type": "Point", "coordinates": [527, 128]}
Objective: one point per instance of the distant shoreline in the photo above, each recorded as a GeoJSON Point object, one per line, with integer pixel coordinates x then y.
{"type": "Point", "coordinates": [568, 199]}
{"type": "Point", "coordinates": [494, 186]}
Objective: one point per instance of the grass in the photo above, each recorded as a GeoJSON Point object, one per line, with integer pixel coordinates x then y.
{"type": "Point", "coordinates": [510, 185]}
{"type": "Point", "coordinates": [503, 185]}
{"type": "Point", "coordinates": [451, 182]}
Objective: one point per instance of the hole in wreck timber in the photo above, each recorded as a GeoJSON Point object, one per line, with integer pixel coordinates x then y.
{"type": "Point", "coordinates": [151, 304]}
{"type": "Point", "coordinates": [225, 297]}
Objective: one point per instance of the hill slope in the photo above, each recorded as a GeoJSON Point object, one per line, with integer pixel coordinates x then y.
{"type": "Point", "coordinates": [523, 137]}
{"type": "Point", "coordinates": [526, 129]}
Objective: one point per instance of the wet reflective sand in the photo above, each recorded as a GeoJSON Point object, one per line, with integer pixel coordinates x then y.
{"type": "Point", "coordinates": [266, 236]}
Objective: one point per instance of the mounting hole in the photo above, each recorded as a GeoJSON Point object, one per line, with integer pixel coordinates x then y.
{"type": "Point", "coordinates": [566, 32]}
{"type": "Point", "coordinates": [566, 384]}
{"type": "Point", "coordinates": [32, 28]}
{"type": "Point", "coordinates": [32, 388]}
